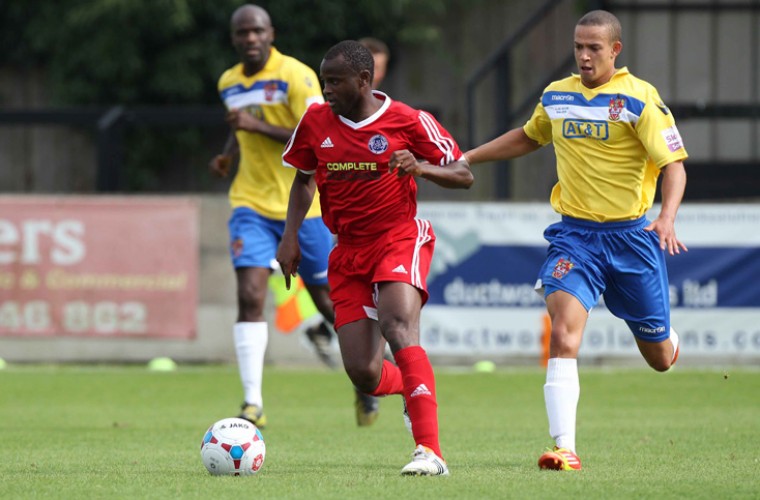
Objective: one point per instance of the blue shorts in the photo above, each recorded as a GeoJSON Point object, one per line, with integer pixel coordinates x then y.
{"type": "Point", "coordinates": [254, 240]}
{"type": "Point", "coordinates": [618, 260]}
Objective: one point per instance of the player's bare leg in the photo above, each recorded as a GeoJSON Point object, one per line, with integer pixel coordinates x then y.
{"type": "Point", "coordinates": [660, 355]}
{"type": "Point", "coordinates": [398, 311]}
{"type": "Point", "coordinates": [367, 407]}
{"type": "Point", "coordinates": [562, 388]}
{"type": "Point", "coordinates": [361, 347]}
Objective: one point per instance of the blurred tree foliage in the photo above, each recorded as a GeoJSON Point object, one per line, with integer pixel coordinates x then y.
{"type": "Point", "coordinates": [171, 53]}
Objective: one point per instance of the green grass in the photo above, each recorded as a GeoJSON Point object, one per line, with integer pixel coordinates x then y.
{"type": "Point", "coordinates": [123, 432]}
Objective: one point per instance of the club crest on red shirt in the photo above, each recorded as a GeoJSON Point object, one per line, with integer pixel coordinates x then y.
{"type": "Point", "coordinates": [561, 268]}
{"type": "Point", "coordinates": [378, 144]}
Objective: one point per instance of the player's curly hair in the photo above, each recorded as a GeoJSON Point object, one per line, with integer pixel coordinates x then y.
{"type": "Point", "coordinates": [357, 56]}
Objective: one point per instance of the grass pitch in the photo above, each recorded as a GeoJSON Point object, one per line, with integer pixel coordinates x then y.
{"type": "Point", "coordinates": [124, 432]}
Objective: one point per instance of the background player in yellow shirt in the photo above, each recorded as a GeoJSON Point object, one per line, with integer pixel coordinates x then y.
{"type": "Point", "coordinates": [265, 94]}
{"type": "Point", "coordinates": [612, 138]}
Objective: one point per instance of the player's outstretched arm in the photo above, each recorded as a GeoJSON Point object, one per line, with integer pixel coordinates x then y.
{"type": "Point", "coordinates": [289, 251]}
{"type": "Point", "coordinates": [673, 187]}
{"type": "Point", "coordinates": [505, 147]}
{"type": "Point", "coordinates": [453, 175]}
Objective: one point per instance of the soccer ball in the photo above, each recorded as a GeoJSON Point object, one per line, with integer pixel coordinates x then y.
{"type": "Point", "coordinates": [233, 447]}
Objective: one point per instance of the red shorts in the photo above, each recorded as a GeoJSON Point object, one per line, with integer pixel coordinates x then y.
{"type": "Point", "coordinates": [403, 254]}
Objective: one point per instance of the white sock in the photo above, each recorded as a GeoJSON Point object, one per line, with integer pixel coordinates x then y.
{"type": "Point", "coordinates": [250, 346]}
{"type": "Point", "coordinates": [561, 393]}
{"type": "Point", "coordinates": [674, 341]}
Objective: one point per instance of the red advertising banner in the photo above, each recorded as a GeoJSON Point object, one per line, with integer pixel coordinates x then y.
{"type": "Point", "coordinates": [98, 267]}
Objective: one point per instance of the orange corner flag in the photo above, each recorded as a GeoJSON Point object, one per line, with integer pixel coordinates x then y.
{"type": "Point", "coordinates": [292, 307]}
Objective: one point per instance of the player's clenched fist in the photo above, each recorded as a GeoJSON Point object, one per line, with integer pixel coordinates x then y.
{"type": "Point", "coordinates": [404, 162]}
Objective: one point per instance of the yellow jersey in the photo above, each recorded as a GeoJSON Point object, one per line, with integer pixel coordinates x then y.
{"type": "Point", "coordinates": [279, 94]}
{"type": "Point", "coordinates": [610, 143]}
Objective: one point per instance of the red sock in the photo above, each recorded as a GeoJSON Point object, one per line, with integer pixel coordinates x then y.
{"type": "Point", "coordinates": [390, 380]}
{"type": "Point", "coordinates": [419, 393]}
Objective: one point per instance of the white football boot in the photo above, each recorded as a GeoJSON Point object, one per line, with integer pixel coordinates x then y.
{"type": "Point", "coordinates": [425, 463]}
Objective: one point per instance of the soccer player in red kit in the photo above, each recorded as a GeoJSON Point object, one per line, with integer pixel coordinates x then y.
{"type": "Point", "coordinates": [361, 151]}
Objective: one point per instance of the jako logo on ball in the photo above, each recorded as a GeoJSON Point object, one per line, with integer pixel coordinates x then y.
{"type": "Point", "coordinates": [233, 447]}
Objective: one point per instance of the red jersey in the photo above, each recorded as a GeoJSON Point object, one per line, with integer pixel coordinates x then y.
{"type": "Point", "coordinates": [359, 197]}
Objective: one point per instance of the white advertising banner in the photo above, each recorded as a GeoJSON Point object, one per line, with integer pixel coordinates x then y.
{"type": "Point", "coordinates": [487, 258]}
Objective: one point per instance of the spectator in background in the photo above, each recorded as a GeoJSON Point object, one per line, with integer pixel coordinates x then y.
{"type": "Point", "coordinates": [612, 137]}
{"type": "Point", "coordinates": [360, 150]}
{"type": "Point", "coordinates": [381, 56]}
{"type": "Point", "coordinates": [265, 95]}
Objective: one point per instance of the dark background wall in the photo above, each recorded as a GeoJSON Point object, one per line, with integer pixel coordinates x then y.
{"type": "Point", "coordinates": [96, 96]}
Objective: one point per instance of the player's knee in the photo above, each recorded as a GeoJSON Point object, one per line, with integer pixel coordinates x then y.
{"type": "Point", "coordinates": [564, 344]}
{"type": "Point", "coordinates": [660, 364]}
{"type": "Point", "coordinates": [364, 378]}
{"type": "Point", "coordinates": [658, 355]}
{"type": "Point", "coordinates": [399, 334]}
{"type": "Point", "coordinates": [250, 305]}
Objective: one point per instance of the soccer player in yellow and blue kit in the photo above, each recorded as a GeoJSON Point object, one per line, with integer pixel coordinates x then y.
{"type": "Point", "coordinates": [612, 137]}
{"type": "Point", "coordinates": [265, 95]}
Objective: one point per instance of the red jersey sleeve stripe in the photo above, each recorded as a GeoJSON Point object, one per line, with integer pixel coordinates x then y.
{"type": "Point", "coordinates": [444, 144]}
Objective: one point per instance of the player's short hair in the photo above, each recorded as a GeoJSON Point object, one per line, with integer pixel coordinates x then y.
{"type": "Point", "coordinates": [357, 56]}
{"type": "Point", "coordinates": [605, 19]}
